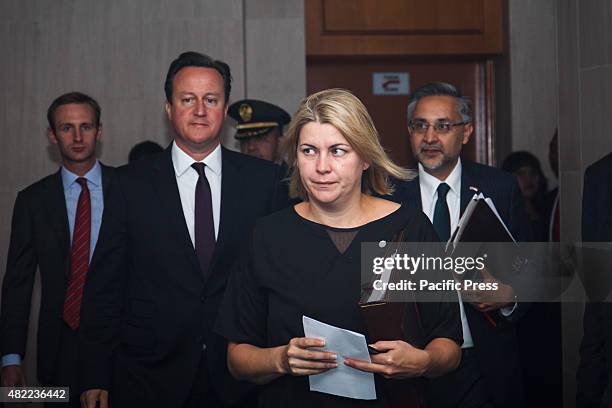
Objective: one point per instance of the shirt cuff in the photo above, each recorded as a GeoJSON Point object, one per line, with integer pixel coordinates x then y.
{"type": "Point", "coordinates": [508, 310]}
{"type": "Point", "coordinates": [11, 359]}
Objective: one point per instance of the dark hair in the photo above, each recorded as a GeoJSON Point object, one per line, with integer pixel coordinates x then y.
{"type": "Point", "coordinates": [464, 106]}
{"type": "Point", "coordinates": [195, 59]}
{"type": "Point", "coordinates": [72, 97]}
{"type": "Point", "coordinates": [515, 160]}
{"type": "Point", "coordinates": [143, 149]}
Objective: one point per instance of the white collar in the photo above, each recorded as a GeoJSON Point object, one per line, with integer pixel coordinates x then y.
{"type": "Point", "coordinates": [182, 161]}
{"type": "Point", "coordinates": [429, 184]}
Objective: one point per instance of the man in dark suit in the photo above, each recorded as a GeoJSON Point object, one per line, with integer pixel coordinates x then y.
{"type": "Point", "coordinates": [55, 228]}
{"type": "Point", "coordinates": [440, 123]}
{"type": "Point", "coordinates": [594, 388]}
{"type": "Point", "coordinates": [173, 227]}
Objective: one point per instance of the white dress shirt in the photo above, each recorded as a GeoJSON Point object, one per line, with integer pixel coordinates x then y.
{"type": "Point", "coordinates": [429, 196]}
{"type": "Point", "coordinates": [187, 178]}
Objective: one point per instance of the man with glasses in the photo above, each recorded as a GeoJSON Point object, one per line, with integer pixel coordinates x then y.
{"type": "Point", "coordinates": [439, 124]}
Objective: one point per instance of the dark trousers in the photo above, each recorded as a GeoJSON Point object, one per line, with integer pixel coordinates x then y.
{"type": "Point", "coordinates": [462, 388]}
{"type": "Point", "coordinates": [540, 347]}
{"type": "Point", "coordinates": [202, 394]}
{"type": "Point", "coordinates": [66, 368]}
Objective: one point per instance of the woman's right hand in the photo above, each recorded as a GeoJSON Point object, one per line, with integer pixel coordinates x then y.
{"type": "Point", "coordinates": [298, 358]}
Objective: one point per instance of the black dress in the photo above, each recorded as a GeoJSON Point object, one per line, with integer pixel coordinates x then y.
{"type": "Point", "coordinates": [294, 268]}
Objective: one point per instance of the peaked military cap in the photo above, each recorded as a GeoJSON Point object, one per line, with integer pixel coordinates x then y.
{"type": "Point", "coordinates": [256, 118]}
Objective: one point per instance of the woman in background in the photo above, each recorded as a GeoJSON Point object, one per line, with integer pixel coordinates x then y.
{"type": "Point", "coordinates": [305, 260]}
{"type": "Point", "coordinates": [526, 167]}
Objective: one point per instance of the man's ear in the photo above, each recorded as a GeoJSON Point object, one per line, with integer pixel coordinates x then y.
{"type": "Point", "coordinates": [99, 132]}
{"type": "Point", "coordinates": [468, 129]}
{"type": "Point", "coordinates": [51, 136]}
{"type": "Point", "coordinates": [168, 109]}
{"type": "Point", "coordinates": [409, 133]}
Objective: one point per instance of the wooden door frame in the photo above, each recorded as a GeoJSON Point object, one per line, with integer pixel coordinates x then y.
{"type": "Point", "coordinates": [484, 134]}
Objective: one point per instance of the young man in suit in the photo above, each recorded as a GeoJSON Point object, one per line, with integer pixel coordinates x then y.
{"type": "Point", "coordinates": [55, 229]}
{"type": "Point", "coordinates": [594, 374]}
{"type": "Point", "coordinates": [440, 123]}
{"type": "Point", "coordinates": [175, 223]}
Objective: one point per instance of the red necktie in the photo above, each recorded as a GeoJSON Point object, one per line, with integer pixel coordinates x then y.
{"type": "Point", "coordinates": [79, 257]}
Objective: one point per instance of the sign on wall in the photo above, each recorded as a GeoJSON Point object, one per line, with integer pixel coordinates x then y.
{"type": "Point", "coordinates": [391, 83]}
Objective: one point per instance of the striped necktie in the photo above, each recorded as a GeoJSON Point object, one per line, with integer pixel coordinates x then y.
{"type": "Point", "coordinates": [79, 257]}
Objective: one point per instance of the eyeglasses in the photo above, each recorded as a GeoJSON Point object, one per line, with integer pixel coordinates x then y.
{"type": "Point", "coordinates": [421, 126]}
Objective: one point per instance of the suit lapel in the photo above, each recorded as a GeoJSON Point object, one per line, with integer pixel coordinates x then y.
{"type": "Point", "coordinates": [466, 183]}
{"type": "Point", "coordinates": [411, 194]}
{"type": "Point", "coordinates": [231, 187]}
{"type": "Point", "coordinates": [164, 180]}
{"type": "Point", "coordinates": [55, 205]}
{"type": "Point", "coordinates": [106, 182]}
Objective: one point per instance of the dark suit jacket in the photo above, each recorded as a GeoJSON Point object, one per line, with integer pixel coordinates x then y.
{"type": "Point", "coordinates": [496, 347]}
{"type": "Point", "coordinates": [148, 310]}
{"type": "Point", "coordinates": [595, 367]}
{"type": "Point", "coordinates": [40, 237]}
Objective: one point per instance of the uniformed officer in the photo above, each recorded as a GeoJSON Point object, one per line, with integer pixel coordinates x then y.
{"type": "Point", "coordinates": [259, 128]}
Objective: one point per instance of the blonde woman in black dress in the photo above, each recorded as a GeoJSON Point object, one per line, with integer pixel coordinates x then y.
{"type": "Point", "coordinates": [305, 260]}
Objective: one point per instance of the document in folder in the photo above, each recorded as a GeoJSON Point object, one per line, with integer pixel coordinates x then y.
{"type": "Point", "coordinates": [481, 222]}
{"type": "Point", "coordinates": [383, 320]}
{"type": "Point", "coordinates": [387, 321]}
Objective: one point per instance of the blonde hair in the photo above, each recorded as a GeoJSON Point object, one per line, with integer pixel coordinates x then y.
{"type": "Point", "coordinates": [345, 112]}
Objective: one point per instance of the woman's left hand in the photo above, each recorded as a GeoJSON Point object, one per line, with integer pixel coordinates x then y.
{"type": "Point", "coordinates": [397, 359]}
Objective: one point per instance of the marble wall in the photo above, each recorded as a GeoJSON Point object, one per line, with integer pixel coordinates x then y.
{"type": "Point", "coordinates": [532, 59]}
